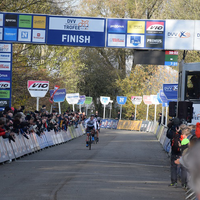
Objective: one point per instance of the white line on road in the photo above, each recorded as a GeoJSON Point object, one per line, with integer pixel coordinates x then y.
{"type": "Point", "coordinates": [98, 161]}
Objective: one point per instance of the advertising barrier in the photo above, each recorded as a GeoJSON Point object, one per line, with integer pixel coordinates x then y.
{"type": "Point", "coordinates": [129, 125]}
{"type": "Point", "coordinates": [23, 146]}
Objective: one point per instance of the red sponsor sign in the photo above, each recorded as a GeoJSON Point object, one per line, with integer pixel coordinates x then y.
{"type": "Point", "coordinates": [38, 88]}
{"type": "Point", "coordinates": [155, 27]}
{"type": "Point", "coordinates": [147, 99]}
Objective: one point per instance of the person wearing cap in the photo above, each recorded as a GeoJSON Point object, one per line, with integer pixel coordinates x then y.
{"type": "Point", "coordinates": [90, 126]}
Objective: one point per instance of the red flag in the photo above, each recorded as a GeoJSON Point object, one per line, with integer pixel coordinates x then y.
{"type": "Point", "coordinates": [56, 87]}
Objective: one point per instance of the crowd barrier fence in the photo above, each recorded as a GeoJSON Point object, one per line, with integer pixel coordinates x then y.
{"type": "Point", "coordinates": [23, 146]}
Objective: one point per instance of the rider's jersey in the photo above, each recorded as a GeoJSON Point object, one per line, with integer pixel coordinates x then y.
{"type": "Point", "coordinates": [90, 124]}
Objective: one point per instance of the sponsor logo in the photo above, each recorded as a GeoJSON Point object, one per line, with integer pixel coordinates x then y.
{"type": "Point", "coordinates": [4, 75]}
{"type": "Point", "coordinates": [117, 26]}
{"type": "Point", "coordinates": [39, 22]}
{"type": "Point", "coordinates": [182, 34]}
{"type": "Point", "coordinates": [38, 36]}
{"type": "Point", "coordinates": [155, 27]}
{"type": "Point", "coordinates": [10, 34]}
{"type": "Point", "coordinates": [76, 39]}
{"type": "Point", "coordinates": [24, 35]}
{"type": "Point", "coordinates": [4, 66]}
{"type": "Point", "coordinates": [5, 48]}
{"type": "Point", "coordinates": [4, 84]}
{"type": "Point", "coordinates": [135, 40]}
{"type": "Point", "coordinates": [25, 21]}
{"type": "Point", "coordinates": [4, 103]}
{"type": "Point", "coordinates": [4, 94]}
{"type": "Point", "coordinates": [154, 41]}
{"type": "Point", "coordinates": [117, 40]}
{"type": "Point", "coordinates": [5, 57]}
{"type": "Point", "coordinates": [39, 87]}
{"type": "Point", "coordinates": [74, 24]}
{"type": "Point", "coordinates": [171, 88]}
{"type": "Point", "coordinates": [136, 27]}
{"type": "Point", "coordinates": [10, 20]}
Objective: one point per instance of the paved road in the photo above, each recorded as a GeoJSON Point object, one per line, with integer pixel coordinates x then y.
{"type": "Point", "coordinates": [125, 165]}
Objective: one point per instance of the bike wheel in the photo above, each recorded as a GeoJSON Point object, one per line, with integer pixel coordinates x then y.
{"type": "Point", "coordinates": [90, 142]}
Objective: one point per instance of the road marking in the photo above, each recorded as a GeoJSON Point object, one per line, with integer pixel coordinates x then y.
{"type": "Point", "coordinates": [101, 161]}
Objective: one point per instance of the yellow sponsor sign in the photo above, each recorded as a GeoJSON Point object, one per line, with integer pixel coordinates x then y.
{"type": "Point", "coordinates": [39, 22]}
{"type": "Point", "coordinates": [136, 27]}
{"type": "Point", "coordinates": [129, 125]}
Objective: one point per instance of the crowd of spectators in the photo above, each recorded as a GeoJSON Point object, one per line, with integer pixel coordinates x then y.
{"type": "Point", "coordinates": [185, 159]}
{"type": "Point", "coordinates": [18, 121]}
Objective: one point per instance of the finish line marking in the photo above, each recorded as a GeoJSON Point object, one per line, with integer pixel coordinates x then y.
{"type": "Point", "coordinates": [109, 162]}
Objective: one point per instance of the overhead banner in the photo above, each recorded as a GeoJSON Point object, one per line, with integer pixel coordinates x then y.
{"type": "Point", "coordinates": [147, 99]}
{"type": "Point", "coordinates": [136, 100]}
{"type": "Point", "coordinates": [81, 100]}
{"type": "Point", "coordinates": [171, 91]}
{"type": "Point", "coordinates": [72, 98]}
{"type": "Point", "coordinates": [121, 100]}
{"type": "Point", "coordinates": [88, 100]}
{"type": "Point", "coordinates": [104, 100]}
{"type": "Point", "coordinates": [99, 32]}
{"type": "Point", "coordinates": [38, 88]}
{"type": "Point", "coordinates": [59, 96]}
{"type": "Point", "coordinates": [179, 34]}
{"type": "Point", "coordinates": [76, 31]}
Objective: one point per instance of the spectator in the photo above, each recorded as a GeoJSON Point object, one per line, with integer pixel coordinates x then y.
{"type": "Point", "coordinates": [174, 134]}
{"type": "Point", "coordinates": [160, 119]}
{"type": "Point", "coordinates": [132, 117]}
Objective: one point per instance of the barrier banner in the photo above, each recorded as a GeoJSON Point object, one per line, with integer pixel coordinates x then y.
{"type": "Point", "coordinates": [49, 138]}
{"type": "Point", "coordinates": [23, 146]}
{"type": "Point", "coordinates": [129, 125]}
{"type": "Point", "coordinates": [9, 149]}
{"type": "Point", "coordinates": [163, 136]}
{"type": "Point", "coordinates": [114, 124]}
{"type": "Point", "coordinates": [136, 125]}
{"type": "Point", "coordinates": [109, 123]}
{"type": "Point", "coordinates": [149, 126]}
{"type": "Point", "coordinates": [104, 123]}
{"type": "Point", "coordinates": [144, 125]}
{"type": "Point", "coordinates": [3, 152]}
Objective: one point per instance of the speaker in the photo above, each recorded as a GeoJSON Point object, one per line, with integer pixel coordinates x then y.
{"type": "Point", "coordinates": [185, 110]}
{"type": "Point", "coordinates": [172, 108]}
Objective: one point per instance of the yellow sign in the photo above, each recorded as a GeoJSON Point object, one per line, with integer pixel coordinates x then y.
{"type": "Point", "coordinates": [136, 27]}
{"type": "Point", "coordinates": [129, 125]}
{"type": "Point", "coordinates": [39, 22]}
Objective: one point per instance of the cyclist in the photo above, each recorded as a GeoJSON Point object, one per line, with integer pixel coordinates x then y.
{"type": "Point", "coordinates": [90, 125]}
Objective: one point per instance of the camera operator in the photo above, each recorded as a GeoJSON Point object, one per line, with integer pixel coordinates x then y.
{"type": "Point", "coordinates": [174, 134]}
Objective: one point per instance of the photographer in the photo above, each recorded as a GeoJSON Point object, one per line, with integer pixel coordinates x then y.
{"type": "Point", "coordinates": [174, 134]}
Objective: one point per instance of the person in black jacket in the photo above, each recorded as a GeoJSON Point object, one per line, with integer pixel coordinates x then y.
{"type": "Point", "coordinates": [174, 134]}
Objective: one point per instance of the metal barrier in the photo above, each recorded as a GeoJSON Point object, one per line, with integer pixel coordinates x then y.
{"type": "Point", "coordinates": [10, 150]}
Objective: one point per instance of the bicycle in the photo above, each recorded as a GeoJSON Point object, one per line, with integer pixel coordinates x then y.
{"type": "Point", "coordinates": [90, 139]}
